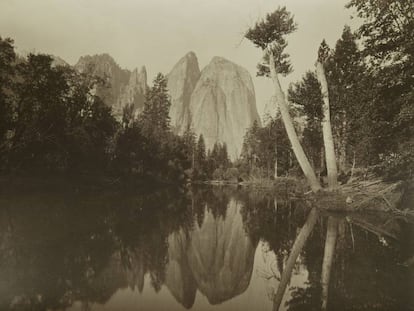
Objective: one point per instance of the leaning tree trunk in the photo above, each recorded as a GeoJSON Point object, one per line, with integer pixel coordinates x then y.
{"type": "Point", "coordinates": [290, 129]}
{"type": "Point", "coordinates": [327, 129]}
{"type": "Point", "coordinates": [290, 263]}
{"type": "Point", "coordinates": [331, 234]}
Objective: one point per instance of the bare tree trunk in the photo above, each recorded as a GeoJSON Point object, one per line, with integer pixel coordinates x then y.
{"type": "Point", "coordinates": [327, 129]}
{"type": "Point", "coordinates": [290, 129]}
{"type": "Point", "coordinates": [296, 249]}
{"type": "Point", "coordinates": [330, 241]}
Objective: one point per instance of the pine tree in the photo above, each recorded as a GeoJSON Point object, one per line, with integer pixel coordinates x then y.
{"type": "Point", "coordinates": [155, 118]}
{"type": "Point", "coordinates": [269, 35]}
{"type": "Point", "coordinates": [189, 139]}
{"type": "Point", "coordinates": [7, 71]}
{"type": "Point", "coordinates": [200, 158]}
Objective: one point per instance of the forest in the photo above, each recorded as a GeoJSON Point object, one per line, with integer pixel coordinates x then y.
{"type": "Point", "coordinates": [353, 112]}
{"type": "Point", "coordinates": [363, 87]}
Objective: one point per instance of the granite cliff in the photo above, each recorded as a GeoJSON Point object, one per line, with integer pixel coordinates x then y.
{"type": "Point", "coordinates": [121, 86]}
{"type": "Point", "coordinates": [223, 105]}
{"type": "Point", "coordinates": [182, 80]}
{"type": "Point", "coordinates": [218, 102]}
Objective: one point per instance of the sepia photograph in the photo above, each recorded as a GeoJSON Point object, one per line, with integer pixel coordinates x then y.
{"type": "Point", "coordinates": [206, 155]}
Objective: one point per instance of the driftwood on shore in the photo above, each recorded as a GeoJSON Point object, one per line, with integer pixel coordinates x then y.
{"type": "Point", "coordinates": [360, 195]}
{"type": "Point", "coordinates": [367, 196]}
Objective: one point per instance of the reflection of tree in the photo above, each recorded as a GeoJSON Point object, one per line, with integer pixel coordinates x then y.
{"type": "Point", "coordinates": [212, 199]}
{"type": "Point", "coordinates": [296, 249]}
{"type": "Point", "coordinates": [57, 247]}
{"type": "Point", "coordinates": [88, 246]}
{"type": "Point", "coordinates": [363, 272]}
{"type": "Point", "coordinates": [328, 256]}
{"type": "Point", "coordinates": [360, 272]}
{"type": "Point", "coordinates": [277, 226]}
{"type": "Point", "coordinates": [367, 274]}
{"type": "Point", "coordinates": [61, 247]}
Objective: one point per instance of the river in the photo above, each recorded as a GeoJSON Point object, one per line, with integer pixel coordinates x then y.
{"type": "Point", "coordinates": [207, 248]}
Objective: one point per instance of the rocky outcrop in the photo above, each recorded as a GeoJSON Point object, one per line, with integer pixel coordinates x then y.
{"type": "Point", "coordinates": [121, 87]}
{"type": "Point", "coordinates": [182, 80]}
{"type": "Point", "coordinates": [134, 91]}
{"type": "Point", "coordinates": [223, 105]}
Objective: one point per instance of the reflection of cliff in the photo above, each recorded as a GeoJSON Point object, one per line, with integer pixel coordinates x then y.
{"type": "Point", "coordinates": [216, 257]}
{"type": "Point", "coordinates": [178, 277]}
{"type": "Point", "coordinates": [50, 256]}
{"type": "Point", "coordinates": [220, 255]}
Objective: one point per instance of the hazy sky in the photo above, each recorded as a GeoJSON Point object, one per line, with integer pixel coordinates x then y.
{"type": "Point", "coordinates": [157, 33]}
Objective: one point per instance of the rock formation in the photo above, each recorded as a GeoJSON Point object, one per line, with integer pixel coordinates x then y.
{"type": "Point", "coordinates": [134, 91]}
{"type": "Point", "coordinates": [223, 105]}
{"type": "Point", "coordinates": [121, 87]}
{"type": "Point", "coordinates": [218, 102]}
{"type": "Point", "coordinates": [182, 80]}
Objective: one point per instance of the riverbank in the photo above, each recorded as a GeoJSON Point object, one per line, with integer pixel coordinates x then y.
{"type": "Point", "coordinates": [368, 194]}
{"type": "Point", "coordinates": [294, 185]}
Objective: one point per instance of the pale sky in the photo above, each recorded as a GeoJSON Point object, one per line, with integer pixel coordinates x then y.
{"type": "Point", "coordinates": [157, 33]}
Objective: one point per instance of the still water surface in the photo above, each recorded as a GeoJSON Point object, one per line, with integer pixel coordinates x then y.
{"type": "Point", "coordinates": [204, 249]}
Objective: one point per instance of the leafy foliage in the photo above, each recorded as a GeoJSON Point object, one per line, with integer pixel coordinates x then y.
{"type": "Point", "coordinates": [269, 35]}
{"type": "Point", "coordinates": [262, 147]}
{"type": "Point", "coordinates": [53, 122]}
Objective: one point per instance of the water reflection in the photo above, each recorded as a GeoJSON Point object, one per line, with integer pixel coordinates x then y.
{"type": "Point", "coordinates": [206, 249]}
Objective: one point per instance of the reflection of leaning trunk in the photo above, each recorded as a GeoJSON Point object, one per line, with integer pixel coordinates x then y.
{"type": "Point", "coordinates": [296, 249]}
{"type": "Point", "coordinates": [330, 242]}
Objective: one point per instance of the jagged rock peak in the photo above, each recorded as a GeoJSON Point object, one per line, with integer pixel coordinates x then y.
{"type": "Point", "coordinates": [103, 64]}
{"type": "Point", "coordinates": [181, 83]}
{"type": "Point", "coordinates": [143, 72]}
{"type": "Point", "coordinates": [104, 57]}
{"type": "Point", "coordinates": [139, 78]}
{"type": "Point", "coordinates": [123, 86]}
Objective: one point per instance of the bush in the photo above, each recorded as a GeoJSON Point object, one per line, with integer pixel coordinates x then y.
{"type": "Point", "coordinates": [397, 166]}
{"type": "Point", "coordinates": [231, 174]}
{"type": "Point", "coordinates": [218, 174]}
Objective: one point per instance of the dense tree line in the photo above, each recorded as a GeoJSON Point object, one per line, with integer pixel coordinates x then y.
{"type": "Point", "coordinates": [364, 88]}
{"type": "Point", "coordinates": [266, 151]}
{"type": "Point", "coordinates": [207, 164]}
{"type": "Point", "coordinates": [370, 80]}
{"type": "Point", "coordinates": [53, 122]}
